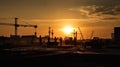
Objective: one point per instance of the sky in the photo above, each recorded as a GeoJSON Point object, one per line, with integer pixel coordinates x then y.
{"type": "Point", "coordinates": [100, 16]}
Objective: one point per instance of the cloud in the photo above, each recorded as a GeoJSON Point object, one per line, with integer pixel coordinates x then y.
{"type": "Point", "coordinates": [111, 18]}
{"type": "Point", "coordinates": [94, 11]}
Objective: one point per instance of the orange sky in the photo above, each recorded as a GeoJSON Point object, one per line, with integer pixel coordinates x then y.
{"type": "Point", "coordinates": [100, 30]}
{"type": "Point", "coordinates": [100, 16]}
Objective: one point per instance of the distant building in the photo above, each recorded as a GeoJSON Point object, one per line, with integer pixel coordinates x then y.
{"type": "Point", "coordinates": [112, 36]}
{"type": "Point", "coordinates": [68, 40]}
{"type": "Point", "coordinates": [2, 40]}
{"type": "Point", "coordinates": [28, 39]}
{"type": "Point", "coordinates": [28, 36]}
{"type": "Point", "coordinates": [15, 37]}
{"type": "Point", "coordinates": [117, 33]}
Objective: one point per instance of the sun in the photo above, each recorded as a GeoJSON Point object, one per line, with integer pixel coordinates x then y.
{"type": "Point", "coordinates": [67, 30]}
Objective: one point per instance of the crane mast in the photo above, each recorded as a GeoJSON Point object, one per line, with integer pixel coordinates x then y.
{"type": "Point", "coordinates": [16, 25]}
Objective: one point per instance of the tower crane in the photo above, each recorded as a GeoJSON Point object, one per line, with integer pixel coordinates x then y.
{"type": "Point", "coordinates": [81, 33]}
{"type": "Point", "coordinates": [91, 34]}
{"type": "Point", "coordinates": [16, 25]}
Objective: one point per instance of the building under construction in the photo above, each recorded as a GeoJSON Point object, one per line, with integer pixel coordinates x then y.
{"type": "Point", "coordinates": [16, 39]}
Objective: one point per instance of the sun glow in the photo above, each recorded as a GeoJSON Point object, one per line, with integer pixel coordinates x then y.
{"type": "Point", "coordinates": [67, 30]}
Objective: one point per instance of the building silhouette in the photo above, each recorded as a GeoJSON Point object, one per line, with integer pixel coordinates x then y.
{"type": "Point", "coordinates": [117, 33]}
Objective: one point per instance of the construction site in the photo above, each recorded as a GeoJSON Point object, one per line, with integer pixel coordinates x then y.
{"type": "Point", "coordinates": [30, 50]}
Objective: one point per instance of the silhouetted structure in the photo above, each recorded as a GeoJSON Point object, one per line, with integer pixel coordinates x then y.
{"type": "Point", "coordinates": [49, 31]}
{"type": "Point", "coordinates": [117, 33]}
{"type": "Point", "coordinates": [81, 33]}
{"type": "Point", "coordinates": [16, 25]}
{"type": "Point", "coordinates": [48, 40]}
{"type": "Point", "coordinates": [29, 39]}
{"type": "Point", "coordinates": [61, 41]}
{"type": "Point", "coordinates": [55, 39]}
{"type": "Point", "coordinates": [68, 40]}
{"type": "Point", "coordinates": [52, 34]}
{"type": "Point", "coordinates": [40, 40]}
{"type": "Point", "coordinates": [75, 37]}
